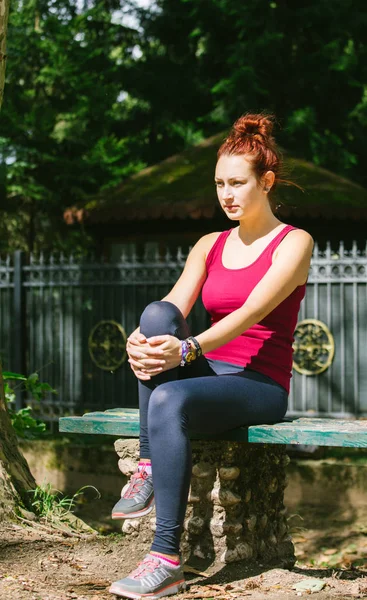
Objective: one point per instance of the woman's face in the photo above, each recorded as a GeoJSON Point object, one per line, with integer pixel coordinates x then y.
{"type": "Point", "coordinates": [238, 190]}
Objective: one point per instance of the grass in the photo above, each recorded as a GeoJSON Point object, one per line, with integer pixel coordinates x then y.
{"type": "Point", "coordinates": [51, 505]}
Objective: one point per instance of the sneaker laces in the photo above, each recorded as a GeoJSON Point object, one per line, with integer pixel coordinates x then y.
{"type": "Point", "coordinates": [135, 484]}
{"type": "Point", "coordinates": [145, 567]}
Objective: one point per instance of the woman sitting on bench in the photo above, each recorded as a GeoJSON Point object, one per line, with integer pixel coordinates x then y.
{"type": "Point", "coordinates": [237, 372]}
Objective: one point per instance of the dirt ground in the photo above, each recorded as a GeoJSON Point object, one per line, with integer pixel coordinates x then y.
{"type": "Point", "coordinates": [38, 565]}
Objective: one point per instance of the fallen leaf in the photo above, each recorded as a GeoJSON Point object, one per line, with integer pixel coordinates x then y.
{"type": "Point", "coordinates": [92, 583]}
{"type": "Point", "coordinates": [214, 586]}
{"type": "Point", "coordinates": [330, 551]}
{"type": "Point", "coordinates": [188, 569]}
{"type": "Point", "coordinates": [251, 585]}
{"type": "Point", "coordinates": [312, 585]}
{"type": "Point", "coordinates": [203, 595]}
{"type": "Point", "coordinates": [351, 549]}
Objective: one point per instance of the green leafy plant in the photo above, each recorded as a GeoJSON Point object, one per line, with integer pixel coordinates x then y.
{"type": "Point", "coordinates": [51, 505]}
{"type": "Point", "coordinates": [25, 425]}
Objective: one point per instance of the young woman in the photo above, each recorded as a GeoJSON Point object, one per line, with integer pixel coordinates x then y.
{"type": "Point", "coordinates": [252, 279]}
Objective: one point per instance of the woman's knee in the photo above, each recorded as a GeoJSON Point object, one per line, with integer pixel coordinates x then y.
{"type": "Point", "coordinates": [166, 406]}
{"type": "Point", "coordinates": [161, 318]}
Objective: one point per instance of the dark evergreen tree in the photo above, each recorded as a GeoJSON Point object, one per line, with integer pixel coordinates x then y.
{"type": "Point", "coordinates": [90, 101]}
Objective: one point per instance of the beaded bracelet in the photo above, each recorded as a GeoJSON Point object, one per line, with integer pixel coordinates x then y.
{"type": "Point", "coordinates": [199, 351]}
{"type": "Point", "coordinates": [190, 351]}
{"type": "Point", "coordinates": [185, 349]}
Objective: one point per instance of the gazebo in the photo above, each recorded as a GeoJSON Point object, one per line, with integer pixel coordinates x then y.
{"type": "Point", "coordinates": [174, 202]}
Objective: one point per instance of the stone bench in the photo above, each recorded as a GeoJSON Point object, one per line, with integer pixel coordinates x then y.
{"type": "Point", "coordinates": [235, 508]}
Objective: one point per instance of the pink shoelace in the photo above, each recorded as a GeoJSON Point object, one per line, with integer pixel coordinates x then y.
{"type": "Point", "coordinates": [136, 482]}
{"type": "Point", "coordinates": [146, 566]}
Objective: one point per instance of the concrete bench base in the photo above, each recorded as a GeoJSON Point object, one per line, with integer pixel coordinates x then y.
{"type": "Point", "coordinates": [235, 510]}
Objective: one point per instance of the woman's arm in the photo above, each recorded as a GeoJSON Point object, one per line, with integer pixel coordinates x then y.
{"type": "Point", "coordinates": [183, 294]}
{"type": "Point", "coordinates": [187, 289]}
{"type": "Point", "coordinates": [290, 267]}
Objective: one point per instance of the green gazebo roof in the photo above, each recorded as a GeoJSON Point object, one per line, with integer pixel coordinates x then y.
{"type": "Point", "coordinates": [182, 186]}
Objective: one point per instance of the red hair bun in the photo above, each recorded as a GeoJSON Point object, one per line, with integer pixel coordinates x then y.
{"type": "Point", "coordinates": [251, 136]}
{"type": "Point", "coordinates": [251, 124]}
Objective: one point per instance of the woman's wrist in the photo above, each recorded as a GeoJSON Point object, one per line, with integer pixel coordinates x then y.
{"type": "Point", "coordinates": [195, 344]}
{"type": "Point", "coordinates": [190, 350]}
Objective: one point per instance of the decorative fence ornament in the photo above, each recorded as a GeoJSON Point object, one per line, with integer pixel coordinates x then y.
{"type": "Point", "coordinates": [107, 345]}
{"type": "Point", "coordinates": [313, 347]}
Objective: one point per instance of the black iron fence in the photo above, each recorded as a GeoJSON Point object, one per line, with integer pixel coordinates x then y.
{"type": "Point", "coordinates": [67, 319]}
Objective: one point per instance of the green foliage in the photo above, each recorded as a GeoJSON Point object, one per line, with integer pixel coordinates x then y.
{"type": "Point", "coordinates": [79, 121]}
{"type": "Point", "coordinates": [52, 505]}
{"type": "Point", "coordinates": [306, 62]}
{"type": "Point", "coordinates": [25, 425]}
{"type": "Point", "coordinates": [63, 131]}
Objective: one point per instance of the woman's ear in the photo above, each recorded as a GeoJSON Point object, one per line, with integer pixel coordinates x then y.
{"type": "Point", "coordinates": [268, 181]}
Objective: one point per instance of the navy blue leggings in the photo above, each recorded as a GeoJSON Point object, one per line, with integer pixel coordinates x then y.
{"type": "Point", "coordinates": [207, 397]}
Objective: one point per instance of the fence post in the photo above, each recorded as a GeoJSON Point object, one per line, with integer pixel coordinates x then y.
{"type": "Point", "coordinates": [19, 328]}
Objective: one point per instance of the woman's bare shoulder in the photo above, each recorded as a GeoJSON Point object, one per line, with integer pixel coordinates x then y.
{"type": "Point", "coordinates": [296, 242]}
{"type": "Point", "coordinates": [300, 236]}
{"type": "Point", "coordinates": [207, 242]}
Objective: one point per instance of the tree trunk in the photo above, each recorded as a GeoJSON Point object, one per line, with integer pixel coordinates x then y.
{"type": "Point", "coordinates": [15, 477]}
{"type": "Point", "coordinates": [4, 14]}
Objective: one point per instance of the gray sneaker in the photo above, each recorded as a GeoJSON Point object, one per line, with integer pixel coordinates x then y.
{"type": "Point", "coordinates": [152, 579]}
{"type": "Point", "coordinates": [137, 497]}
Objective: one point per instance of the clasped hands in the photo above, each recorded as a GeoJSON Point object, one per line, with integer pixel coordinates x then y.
{"type": "Point", "coordinates": [151, 356]}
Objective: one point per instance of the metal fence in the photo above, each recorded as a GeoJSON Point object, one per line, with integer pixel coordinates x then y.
{"type": "Point", "coordinates": [337, 296]}
{"type": "Point", "coordinates": [49, 306]}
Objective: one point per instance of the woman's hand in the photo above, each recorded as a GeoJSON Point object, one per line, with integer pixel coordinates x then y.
{"type": "Point", "coordinates": [167, 348]}
{"type": "Point", "coordinates": [135, 346]}
{"type": "Point", "coordinates": [148, 357]}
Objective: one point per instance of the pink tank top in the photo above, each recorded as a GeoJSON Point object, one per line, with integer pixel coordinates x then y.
{"type": "Point", "coordinates": [267, 346]}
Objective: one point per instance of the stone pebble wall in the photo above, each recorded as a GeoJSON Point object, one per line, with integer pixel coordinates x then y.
{"type": "Point", "coordinates": [235, 507]}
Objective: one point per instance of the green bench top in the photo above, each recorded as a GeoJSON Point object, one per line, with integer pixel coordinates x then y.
{"type": "Point", "coordinates": [124, 422]}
